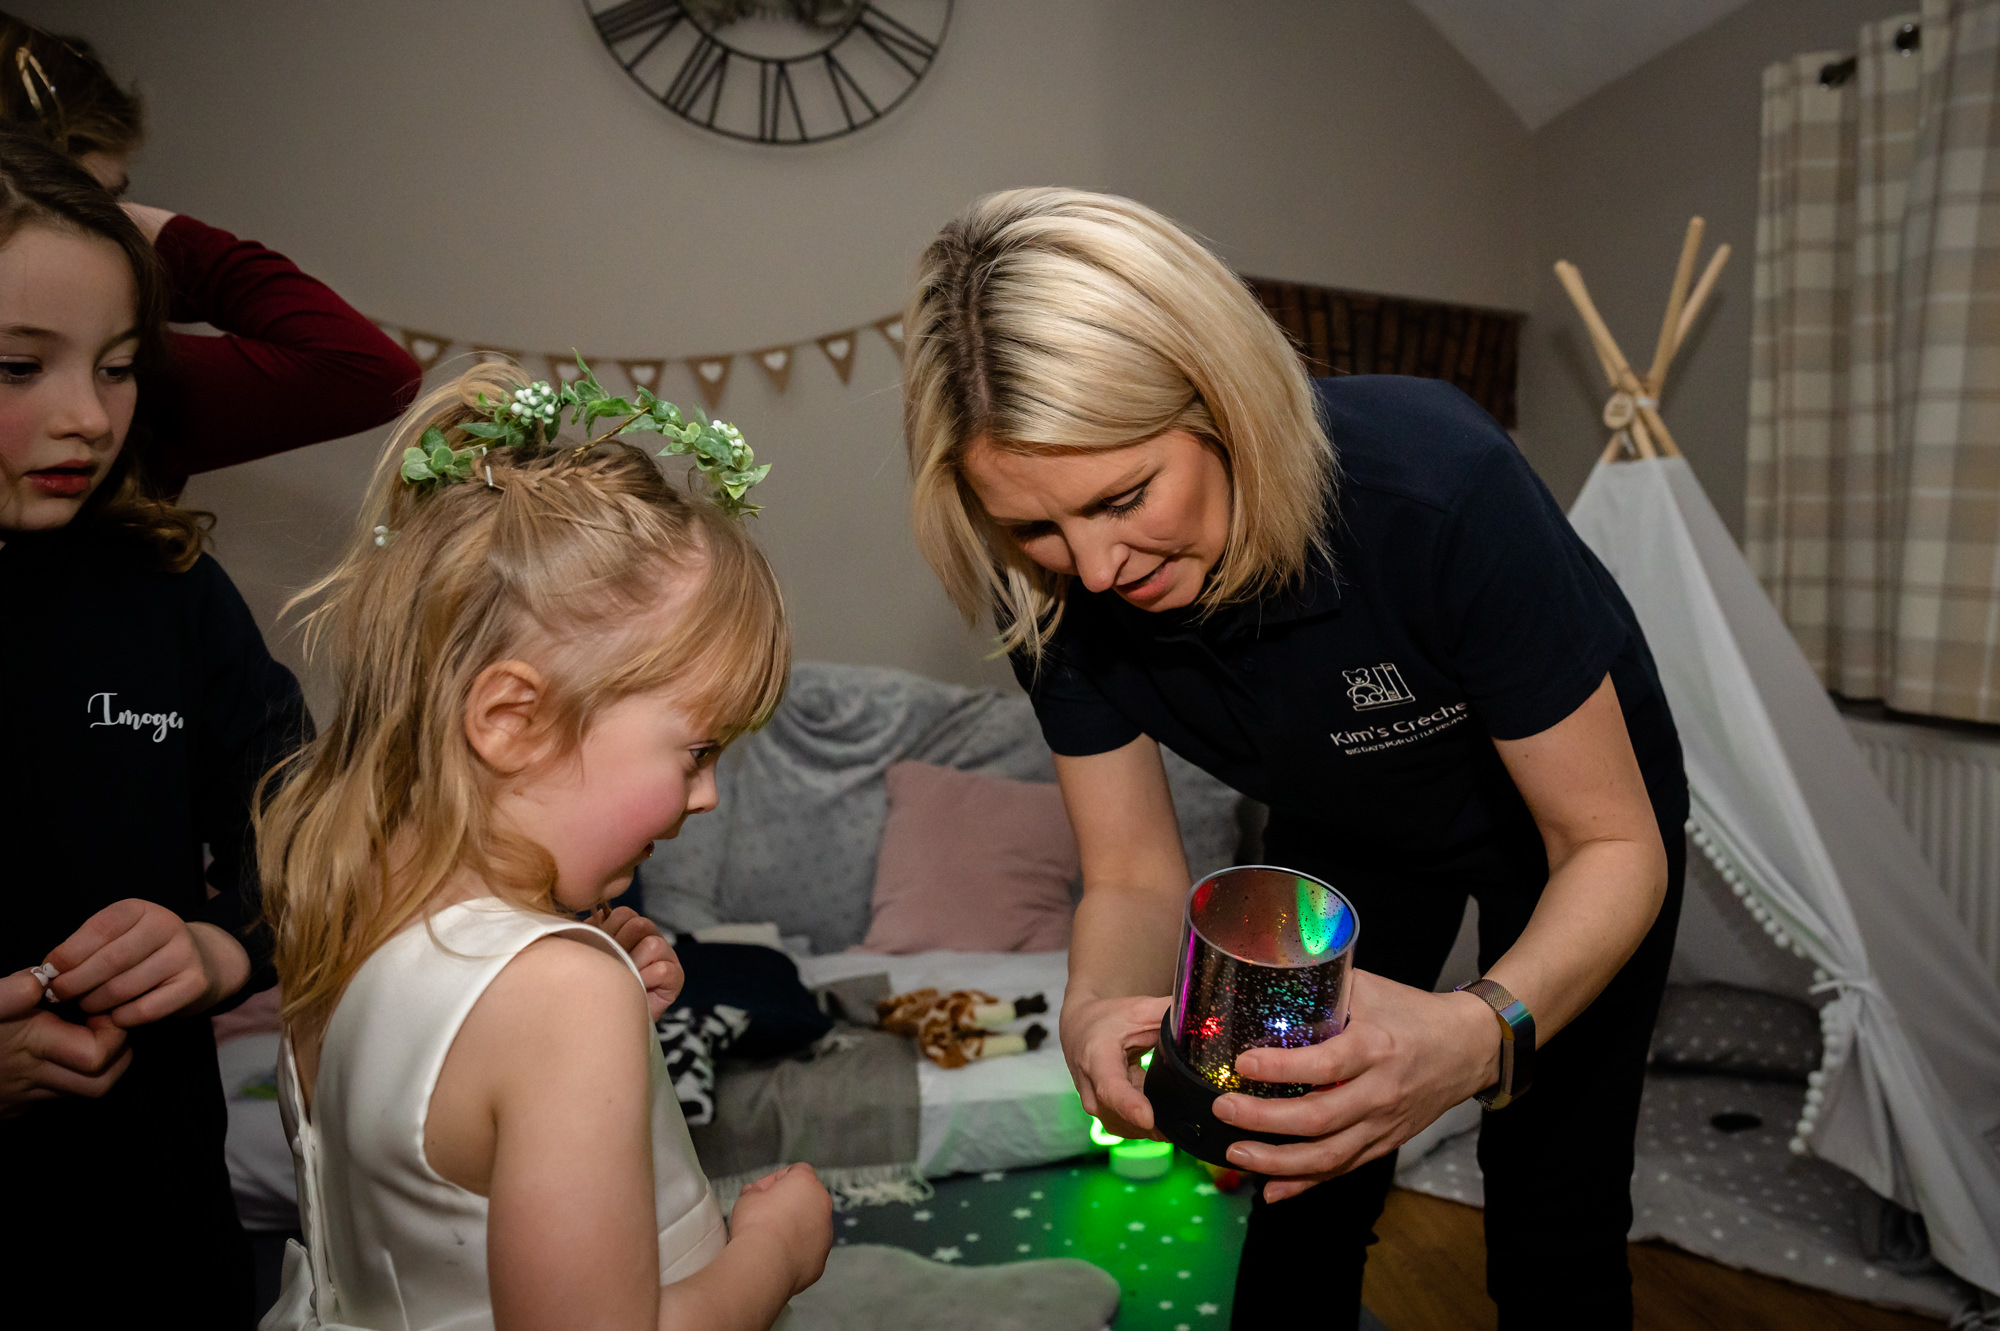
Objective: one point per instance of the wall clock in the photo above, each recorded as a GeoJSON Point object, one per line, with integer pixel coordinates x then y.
{"type": "Point", "coordinates": [774, 71]}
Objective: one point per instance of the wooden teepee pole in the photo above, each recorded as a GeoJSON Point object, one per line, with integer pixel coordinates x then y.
{"type": "Point", "coordinates": [1700, 295]}
{"type": "Point", "coordinates": [1663, 350]}
{"type": "Point", "coordinates": [1616, 369]}
{"type": "Point", "coordinates": [1619, 412]}
{"type": "Point", "coordinates": [1633, 410]}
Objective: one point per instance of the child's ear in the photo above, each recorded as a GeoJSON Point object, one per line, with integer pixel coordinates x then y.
{"type": "Point", "coordinates": [503, 716]}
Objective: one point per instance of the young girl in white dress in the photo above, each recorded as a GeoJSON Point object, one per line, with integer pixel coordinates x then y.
{"type": "Point", "coordinates": [541, 648]}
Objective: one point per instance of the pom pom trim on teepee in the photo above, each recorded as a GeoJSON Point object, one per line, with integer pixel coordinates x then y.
{"type": "Point", "coordinates": [1836, 1028]}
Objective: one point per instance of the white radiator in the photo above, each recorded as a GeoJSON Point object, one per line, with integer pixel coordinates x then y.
{"type": "Point", "coordinates": [1947, 785]}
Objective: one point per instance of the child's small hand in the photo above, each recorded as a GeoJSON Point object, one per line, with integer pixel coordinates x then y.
{"type": "Point", "coordinates": [138, 961]}
{"type": "Point", "coordinates": [42, 1056]}
{"type": "Point", "coordinates": [658, 966]}
{"type": "Point", "coordinates": [792, 1208]}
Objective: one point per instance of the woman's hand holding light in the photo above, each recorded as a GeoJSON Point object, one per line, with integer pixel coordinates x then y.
{"type": "Point", "coordinates": [658, 966]}
{"type": "Point", "coordinates": [1406, 1056]}
{"type": "Point", "coordinates": [1102, 1039]}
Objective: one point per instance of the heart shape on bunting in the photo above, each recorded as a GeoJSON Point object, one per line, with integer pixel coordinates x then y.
{"type": "Point", "coordinates": [644, 373]}
{"type": "Point", "coordinates": [839, 348]}
{"type": "Point", "coordinates": [427, 349]}
{"type": "Point", "coordinates": [711, 376]}
{"type": "Point", "coordinates": [891, 329]}
{"type": "Point", "coordinates": [563, 369]}
{"type": "Point", "coordinates": [487, 355]}
{"type": "Point", "coordinates": [777, 365]}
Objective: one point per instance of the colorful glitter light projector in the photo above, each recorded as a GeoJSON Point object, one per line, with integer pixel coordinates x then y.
{"type": "Point", "coordinates": [1267, 955]}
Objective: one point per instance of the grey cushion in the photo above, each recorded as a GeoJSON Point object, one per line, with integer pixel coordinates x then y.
{"type": "Point", "coordinates": [803, 800]}
{"type": "Point", "coordinates": [1747, 1032]}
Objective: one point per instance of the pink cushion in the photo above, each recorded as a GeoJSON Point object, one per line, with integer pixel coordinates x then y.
{"type": "Point", "coordinates": [972, 863]}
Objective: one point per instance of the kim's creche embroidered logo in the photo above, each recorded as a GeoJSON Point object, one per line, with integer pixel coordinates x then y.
{"type": "Point", "coordinates": [1370, 687]}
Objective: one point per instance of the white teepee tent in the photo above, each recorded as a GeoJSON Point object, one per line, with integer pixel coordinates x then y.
{"type": "Point", "coordinates": [1908, 1097]}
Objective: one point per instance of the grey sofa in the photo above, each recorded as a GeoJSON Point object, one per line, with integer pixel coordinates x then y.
{"type": "Point", "coordinates": [803, 801]}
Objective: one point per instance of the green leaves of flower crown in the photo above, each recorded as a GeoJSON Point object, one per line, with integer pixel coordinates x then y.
{"type": "Point", "coordinates": [534, 415]}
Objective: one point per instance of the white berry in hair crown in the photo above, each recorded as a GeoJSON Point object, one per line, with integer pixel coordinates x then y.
{"type": "Point", "coordinates": [535, 414]}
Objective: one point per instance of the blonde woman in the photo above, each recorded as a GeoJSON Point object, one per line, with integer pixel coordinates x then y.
{"type": "Point", "coordinates": [1350, 599]}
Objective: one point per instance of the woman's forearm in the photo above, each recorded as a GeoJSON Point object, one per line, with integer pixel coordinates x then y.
{"type": "Point", "coordinates": [1124, 940]}
{"type": "Point", "coordinates": [1135, 873]}
{"type": "Point", "coordinates": [1591, 918]}
{"type": "Point", "coordinates": [1607, 865]}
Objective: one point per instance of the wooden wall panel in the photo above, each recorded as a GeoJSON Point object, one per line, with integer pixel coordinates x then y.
{"type": "Point", "coordinates": [1354, 332]}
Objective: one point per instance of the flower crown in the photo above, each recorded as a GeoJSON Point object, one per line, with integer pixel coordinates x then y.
{"type": "Point", "coordinates": [534, 414]}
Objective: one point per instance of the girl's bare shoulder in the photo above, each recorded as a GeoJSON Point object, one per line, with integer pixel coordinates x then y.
{"type": "Point", "coordinates": [558, 981]}
{"type": "Point", "coordinates": [560, 1016]}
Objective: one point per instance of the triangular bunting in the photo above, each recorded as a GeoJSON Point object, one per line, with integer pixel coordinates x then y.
{"type": "Point", "coordinates": [776, 362]}
{"type": "Point", "coordinates": [563, 368]}
{"type": "Point", "coordinates": [644, 373]}
{"type": "Point", "coordinates": [711, 376]}
{"type": "Point", "coordinates": [427, 349]}
{"type": "Point", "coordinates": [839, 348]}
{"type": "Point", "coordinates": [711, 373]}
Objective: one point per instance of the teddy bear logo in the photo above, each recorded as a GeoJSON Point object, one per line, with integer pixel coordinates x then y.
{"type": "Point", "coordinates": [1370, 687]}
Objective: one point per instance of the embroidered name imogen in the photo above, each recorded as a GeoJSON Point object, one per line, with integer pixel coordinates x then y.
{"type": "Point", "coordinates": [99, 707]}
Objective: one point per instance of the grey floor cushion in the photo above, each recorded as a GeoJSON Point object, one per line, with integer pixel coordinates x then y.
{"type": "Point", "coordinates": [868, 1287]}
{"type": "Point", "coordinates": [1713, 1175]}
{"type": "Point", "coordinates": [1724, 1028]}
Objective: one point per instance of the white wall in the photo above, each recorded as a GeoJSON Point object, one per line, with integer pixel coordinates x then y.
{"type": "Point", "coordinates": [483, 169]}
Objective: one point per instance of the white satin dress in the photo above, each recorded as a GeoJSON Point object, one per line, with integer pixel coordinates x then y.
{"type": "Point", "coordinates": [390, 1243]}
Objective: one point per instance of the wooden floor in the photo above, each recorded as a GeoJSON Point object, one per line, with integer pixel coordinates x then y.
{"type": "Point", "coordinates": [1428, 1273]}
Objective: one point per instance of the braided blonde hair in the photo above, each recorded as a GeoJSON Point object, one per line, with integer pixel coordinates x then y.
{"type": "Point", "coordinates": [583, 560]}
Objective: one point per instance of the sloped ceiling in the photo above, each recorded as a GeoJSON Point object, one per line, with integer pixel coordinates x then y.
{"type": "Point", "coordinates": [1545, 56]}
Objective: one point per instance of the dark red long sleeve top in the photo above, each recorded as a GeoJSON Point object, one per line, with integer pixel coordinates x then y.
{"type": "Point", "coordinates": [295, 365]}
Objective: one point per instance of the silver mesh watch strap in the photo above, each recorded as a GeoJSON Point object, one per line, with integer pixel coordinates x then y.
{"type": "Point", "coordinates": [1517, 1044]}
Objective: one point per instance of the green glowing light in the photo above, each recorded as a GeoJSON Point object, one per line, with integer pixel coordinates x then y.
{"type": "Point", "coordinates": [1143, 1148]}
{"type": "Point", "coordinates": [1103, 1136]}
{"type": "Point", "coordinates": [1141, 1159]}
{"type": "Point", "coordinates": [1316, 925]}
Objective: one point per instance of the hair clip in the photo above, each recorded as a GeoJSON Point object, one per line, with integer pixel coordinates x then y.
{"type": "Point", "coordinates": [24, 61]}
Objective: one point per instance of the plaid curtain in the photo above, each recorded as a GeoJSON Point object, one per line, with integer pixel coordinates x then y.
{"type": "Point", "coordinates": [1873, 513]}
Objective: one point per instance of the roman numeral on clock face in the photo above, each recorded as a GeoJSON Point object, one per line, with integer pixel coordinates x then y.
{"type": "Point", "coordinates": [652, 19]}
{"type": "Point", "coordinates": [769, 78]}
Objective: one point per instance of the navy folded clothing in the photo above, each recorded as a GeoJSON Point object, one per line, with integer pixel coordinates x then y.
{"type": "Point", "coordinates": [761, 981]}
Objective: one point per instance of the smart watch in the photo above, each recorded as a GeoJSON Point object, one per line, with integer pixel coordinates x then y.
{"type": "Point", "coordinates": [1517, 1043]}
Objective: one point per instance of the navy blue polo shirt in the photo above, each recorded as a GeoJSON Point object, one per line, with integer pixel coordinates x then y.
{"type": "Point", "coordinates": [1362, 706]}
